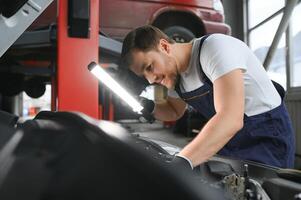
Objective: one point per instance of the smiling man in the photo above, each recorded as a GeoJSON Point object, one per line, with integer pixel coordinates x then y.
{"type": "Point", "coordinates": [220, 77]}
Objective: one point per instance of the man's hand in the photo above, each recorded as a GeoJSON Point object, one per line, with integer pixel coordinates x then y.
{"type": "Point", "coordinates": [148, 109]}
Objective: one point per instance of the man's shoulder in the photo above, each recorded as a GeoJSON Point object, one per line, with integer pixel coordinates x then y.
{"type": "Point", "coordinates": [218, 37]}
{"type": "Point", "coordinates": [218, 42]}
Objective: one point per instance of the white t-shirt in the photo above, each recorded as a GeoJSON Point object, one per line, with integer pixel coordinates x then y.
{"type": "Point", "coordinates": [221, 54]}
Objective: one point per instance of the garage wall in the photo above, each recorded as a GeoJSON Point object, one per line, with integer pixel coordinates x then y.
{"type": "Point", "coordinates": [235, 17]}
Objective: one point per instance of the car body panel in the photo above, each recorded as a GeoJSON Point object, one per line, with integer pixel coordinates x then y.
{"type": "Point", "coordinates": [71, 155]}
{"type": "Point", "coordinates": [118, 17]}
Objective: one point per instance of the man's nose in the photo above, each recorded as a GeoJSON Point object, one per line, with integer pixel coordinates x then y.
{"type": "Point", "coordinates": [152, 78]}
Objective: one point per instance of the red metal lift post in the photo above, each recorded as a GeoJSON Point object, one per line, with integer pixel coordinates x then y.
{"type": "Point", "coordinates": [76, 88]}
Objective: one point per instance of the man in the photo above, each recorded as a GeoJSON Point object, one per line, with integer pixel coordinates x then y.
{"type": "Point", "coordinates": [220, 77]}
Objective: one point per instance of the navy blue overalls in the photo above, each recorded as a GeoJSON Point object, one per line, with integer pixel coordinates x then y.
{"type": "Point", "coordinates": [266, 138]}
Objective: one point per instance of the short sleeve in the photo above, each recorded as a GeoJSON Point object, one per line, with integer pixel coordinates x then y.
{"type": "Point", "coordinates": [221, 54]}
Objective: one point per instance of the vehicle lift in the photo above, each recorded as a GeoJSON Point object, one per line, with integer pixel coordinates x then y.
{"type": "Point", "coordinates": [77, 42]}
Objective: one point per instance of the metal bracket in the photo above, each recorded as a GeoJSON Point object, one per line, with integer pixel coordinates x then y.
{"type": "Point", "coordinates": [11, 28]}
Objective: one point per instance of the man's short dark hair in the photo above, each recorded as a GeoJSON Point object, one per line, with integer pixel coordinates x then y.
{"type": "Point", "coordinates": [144, 38]}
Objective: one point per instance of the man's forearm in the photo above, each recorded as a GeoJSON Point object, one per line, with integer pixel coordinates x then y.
{"type": "Point", "coordinates": [215, 134]}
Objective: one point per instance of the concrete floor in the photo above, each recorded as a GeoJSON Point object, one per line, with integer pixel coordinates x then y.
{"type": "Point", "coordinates": [156, 131]}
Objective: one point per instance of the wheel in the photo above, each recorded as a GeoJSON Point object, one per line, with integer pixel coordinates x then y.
{"type": "Point", "coordinates": [179, 33]}
{"type": "Point", "coordinates": [34, 88]}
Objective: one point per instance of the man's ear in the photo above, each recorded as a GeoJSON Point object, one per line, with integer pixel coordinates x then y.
{"type": "Point", "coordinates": [164, 45]}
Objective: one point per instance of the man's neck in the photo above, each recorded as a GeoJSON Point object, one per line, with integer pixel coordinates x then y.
{"type": "Point", "coordinates": [182, 53]}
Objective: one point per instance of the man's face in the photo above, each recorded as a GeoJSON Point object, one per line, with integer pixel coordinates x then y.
{"type": "Point", "coordinates": [157, 66]}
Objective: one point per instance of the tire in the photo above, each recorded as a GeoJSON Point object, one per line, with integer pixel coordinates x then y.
{"type": "Point", "coordinates": [179, 33]}
{"type": "Point", "coordinates": [34, 88]}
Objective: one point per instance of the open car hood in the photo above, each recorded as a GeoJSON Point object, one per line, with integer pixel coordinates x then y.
{"type": "Point", "coordinates": [64, 155]}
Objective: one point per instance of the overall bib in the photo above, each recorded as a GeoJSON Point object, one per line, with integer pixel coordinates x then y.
{"type": "Point", "coordinates": [266, 138]}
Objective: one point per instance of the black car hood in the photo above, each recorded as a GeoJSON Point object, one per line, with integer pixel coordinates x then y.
{"type": "Point", "coordinates": [64, 155]}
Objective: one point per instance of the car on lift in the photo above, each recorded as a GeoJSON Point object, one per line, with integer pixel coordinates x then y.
{"type": "Point", "coordinates": [181, 20]}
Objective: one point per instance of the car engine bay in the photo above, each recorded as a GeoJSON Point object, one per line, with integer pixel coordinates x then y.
{"type": "Point", "coordinates": [66, 155]}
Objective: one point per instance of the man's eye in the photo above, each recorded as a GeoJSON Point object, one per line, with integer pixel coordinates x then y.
{"type": "Point", "coordinates": [148, 68]}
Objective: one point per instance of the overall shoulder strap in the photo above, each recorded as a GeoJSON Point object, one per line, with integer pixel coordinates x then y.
{"type": "Point", "coordinates": [279, 89]}
{"type": "Point", "coordinates": [199, 54]}
{"type": "Point", "coordinates": [177, 88]}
